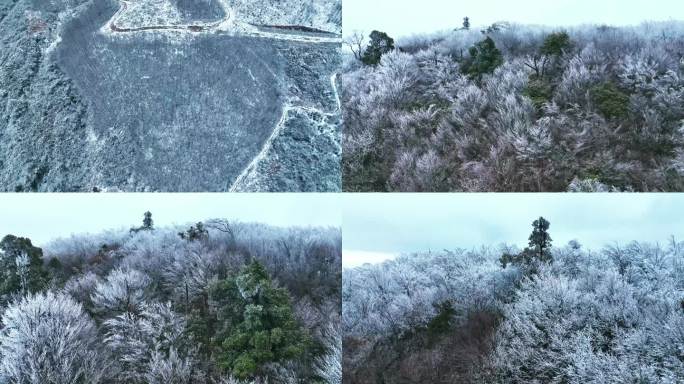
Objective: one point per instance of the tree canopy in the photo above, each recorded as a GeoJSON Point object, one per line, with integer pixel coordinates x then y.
{"type": "Point", "coordinates": [21, 267]}
{"type": "Point", "coordinates": [466, 23]}
{"type": "Point", "coordinates": [261, 328]}
{"type": "Point", "coordinates": [148, 223]}
{"type": "Point", "coordinates": [484, 58]}
{"type": "Point", "coordinates": [537, 252]}
{"type": "Point", "coordinates": [380, 44]}
{"type": "Point", "coordinates": [47, 338]}
{"type": "Point", "coordinates": [194, 233]}
{"type": "Point", "coordinates": [556, 44]}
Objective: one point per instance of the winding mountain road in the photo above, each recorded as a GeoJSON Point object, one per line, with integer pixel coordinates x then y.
{"type": "Point", "coordinates": [229, 24]}
{"type": "Point", "coordinates": [196, 28]}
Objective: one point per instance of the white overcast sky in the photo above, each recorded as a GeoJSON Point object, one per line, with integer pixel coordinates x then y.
{"type": "Point", "coordinates": [44, 217]}
{"type": "Point", "coordinates": [375, 226]}
{"type": "Point", "coordinates": [407, 17]}
{"type": "Point", "coordinates": [380, 226]}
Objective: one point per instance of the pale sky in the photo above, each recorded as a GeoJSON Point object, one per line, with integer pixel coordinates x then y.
{"type": "Point", "coordinates": [377, 227]}
{"type": "Point", "coordinates": [44, 217]}
{"type": "Point", "coordinates": [407, 17]}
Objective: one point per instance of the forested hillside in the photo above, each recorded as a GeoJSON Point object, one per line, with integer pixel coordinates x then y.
{"type": "Point", "coordinates": [169, 95]}
{"type": "Point", "coordinates": [516, 108]}
{"type": "Point", "coordinates": [544, 314]}
{"type": "Point", "coordinates": [216, 302]}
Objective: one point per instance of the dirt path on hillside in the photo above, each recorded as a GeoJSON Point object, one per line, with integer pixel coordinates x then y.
{"type": "Point", "coordinates": [252, 166]}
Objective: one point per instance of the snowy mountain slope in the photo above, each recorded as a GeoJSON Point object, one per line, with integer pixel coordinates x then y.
{"type": "Point", "coordinates": [320, 14]}
{"type": "Point", "coordinates": [154, 275]}
{"type": "Point", "coordinates": [101, 96]}
{"type": "Point", "coordinates": [149, 13]}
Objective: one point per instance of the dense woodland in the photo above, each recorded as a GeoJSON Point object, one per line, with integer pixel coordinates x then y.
{"type": "Point", "coordinates": [216, 302]}
{"type": "Point", "coordinates": [516, 108]}
{"type": "Point", "coordinates": [502, 315]}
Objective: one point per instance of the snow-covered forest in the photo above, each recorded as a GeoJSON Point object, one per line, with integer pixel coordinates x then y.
{"type": "Point", "coordinates": [233, 95]}
{"type": "Point", "coordinates": [516, 108]}
{"type": "Point", "coordinates": [219, 302]}
{"type": "Point", "coordinates": [562, 314]}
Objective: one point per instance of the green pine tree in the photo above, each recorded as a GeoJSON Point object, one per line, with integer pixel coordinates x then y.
{"type": "Point", "coordinates": [259, 326]}
{"type": "Point", "coordinates": [16, 276]}
{"type": "Point", "coordinates": [466, 23]}
{"type": "Point", "coordinates": [380, 44]}
{"type": "Point", "coordinates": [484, 58]}
{"type": "Point", "coordinates": [148, 224]}
{"type": "Point", "coordinates": [194, 233]}
{"type": "Point", "coordinates": [540, 240]}
{"type": "Point", "coordinates": [537, 252]}
{"type": "Point", "coordinates": [441, 323]}
{"type": "Point", "coordinates": [556, 44]}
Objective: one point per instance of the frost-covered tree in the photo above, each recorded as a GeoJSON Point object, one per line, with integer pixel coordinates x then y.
{"type": "Point", "coordinates": [23, 264]}
{"type": "Point", "coordinates": [169, 368]}
{"type": "Point", "coordinates": [585, 108]}
{"type": "Point", "coordinates": [121, 291]}
{"type": "Point", "coordinates": [189, 274]}
{"type": "Point", "coordinates": [150, 346]}
{"type": "Point", "coordinates": [356, 43]}
{"type": "Point", "coordinates": [48, 339]}
{"type": "Point", "coordinates": [329, 367]}
{"type": "Point", "coordinates": [21, 268]}
{"type": "Point", "coordinates": [81, 288]}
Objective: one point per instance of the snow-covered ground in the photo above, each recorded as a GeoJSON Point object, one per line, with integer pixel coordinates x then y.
{"type": "Point", "coordinates": [320, 14]}
{"type": "Point", "coordinates": [163, 15]}
{"type": "Point", "coordinates": [136, 14]}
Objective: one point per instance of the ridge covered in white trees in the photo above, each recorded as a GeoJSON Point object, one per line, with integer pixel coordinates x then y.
{"type": "Point", "coordinates": [516, 108]}
{"type": "Point", "coordinates": [164, 306]}
{"type": "Point", "coordinates": [614, 315]}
